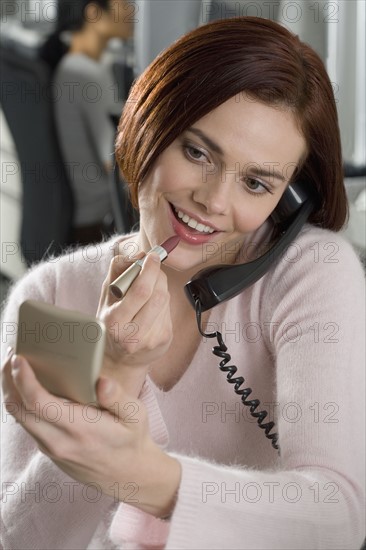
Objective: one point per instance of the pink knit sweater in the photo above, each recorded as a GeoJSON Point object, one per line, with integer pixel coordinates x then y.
{"type": "Point", "coordinates": [297, 337]}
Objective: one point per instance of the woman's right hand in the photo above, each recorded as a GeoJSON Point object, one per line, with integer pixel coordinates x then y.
{"type": "Point", "coordinates": [139, 327]}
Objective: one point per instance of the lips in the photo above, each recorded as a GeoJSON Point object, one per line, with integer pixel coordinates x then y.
{"type": "Point", "coordinates": [195, 223]}
{"type": "Point", "coordinates": [192, 223]}
{"type": "Point", "coordinates": [193, 230]}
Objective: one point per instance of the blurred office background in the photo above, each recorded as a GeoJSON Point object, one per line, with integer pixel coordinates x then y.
{"type": "Point", "coordinates": [336, 29]}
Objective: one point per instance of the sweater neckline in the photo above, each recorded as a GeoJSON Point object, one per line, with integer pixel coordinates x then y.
{"type": "Point", "coordinates": [217, 314]}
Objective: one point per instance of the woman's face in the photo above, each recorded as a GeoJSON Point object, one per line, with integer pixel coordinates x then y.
{"type": "Point", "coordinates": [219, 181]}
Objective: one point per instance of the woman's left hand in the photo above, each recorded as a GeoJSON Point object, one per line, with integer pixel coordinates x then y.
{"type": "Point", "coordinates": [109, 447]}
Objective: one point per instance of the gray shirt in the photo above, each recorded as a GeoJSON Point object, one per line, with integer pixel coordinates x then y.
{"type": "Point", "coordinates": [85, 97]}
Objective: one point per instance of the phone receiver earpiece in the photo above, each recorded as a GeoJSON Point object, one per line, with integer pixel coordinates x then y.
{"type": "Point", "coordinates": [216, 284]}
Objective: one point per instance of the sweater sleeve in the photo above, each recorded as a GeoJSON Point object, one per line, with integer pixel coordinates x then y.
{"type": "Point", "coordinates": [314, 316]}
{"type": "Point", "coordinates": [41, 507]}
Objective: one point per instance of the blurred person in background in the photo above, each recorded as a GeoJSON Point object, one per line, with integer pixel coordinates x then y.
{"type": "Point", "coordinates": [86, 100]}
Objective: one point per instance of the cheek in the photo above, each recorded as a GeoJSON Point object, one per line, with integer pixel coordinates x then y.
{"type": "Point", "coordinates": [149, 188]}
{"type": "Point", "coordinates": [156, 182]}
{"type": "Point", "coordinates": [143, 197]}
{"type": "Point", "coordinates": [252, 215]}
{"type": "Point", "coordinates": [170, 173]}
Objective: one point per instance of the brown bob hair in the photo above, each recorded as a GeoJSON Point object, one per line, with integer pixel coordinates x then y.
{"type": "Point", "coordinates": [227, 58]}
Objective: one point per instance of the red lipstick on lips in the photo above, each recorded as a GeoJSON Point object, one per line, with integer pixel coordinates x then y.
{"type": "Point", "coordinates": [120, 286]}
{"type": "Point", "coordinates": [187, 234]}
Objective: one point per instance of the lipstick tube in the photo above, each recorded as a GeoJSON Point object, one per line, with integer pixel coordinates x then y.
{"type": "Point", "coordinates": [120, 286]}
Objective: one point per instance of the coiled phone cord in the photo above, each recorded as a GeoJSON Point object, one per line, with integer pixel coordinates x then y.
{"type": "Point", "coordinates": [253, 404]}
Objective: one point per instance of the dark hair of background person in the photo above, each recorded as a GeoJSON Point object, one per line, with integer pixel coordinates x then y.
{"type": "Point", "coordinates": [244, 57]}
{"type": "Point", "coordinates": [70, 17]}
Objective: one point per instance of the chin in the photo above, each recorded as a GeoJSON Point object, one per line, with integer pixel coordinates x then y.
{"type": "Point", "coordinates": [188, 266]}
{"type": "Point", "coordinates": [180, 266]}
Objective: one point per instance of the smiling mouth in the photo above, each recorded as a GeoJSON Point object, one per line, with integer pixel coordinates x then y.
{"type": "Point", "coordinates": [191, 222]}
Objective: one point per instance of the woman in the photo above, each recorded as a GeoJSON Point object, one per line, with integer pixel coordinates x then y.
{"type": "Point", "coordinates": [214, 131]}
{"type": "Point", "coordinates": [86, 99]}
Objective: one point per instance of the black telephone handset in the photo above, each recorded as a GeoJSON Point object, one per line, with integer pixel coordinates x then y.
{"type": "Point", "coordinates": [214, 285]}
{"type": "Point", "coordinates": [219, 283]}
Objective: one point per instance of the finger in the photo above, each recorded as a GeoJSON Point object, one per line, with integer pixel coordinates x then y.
{"type": "Point", "coordinates": [8, 354]}
{"type": "Point", "coordinates": [158, 304]}
{"type": "Point", "coordinates": [153, 322]}
{"type": "Point", "coordinates": [118, 403]}
{"type": "Point", "coordinates": [29, 418]}
{"type": "Point", "coordinates": [12, 399]}
{"type": "Point", "coordinates": [141, 289]}
{"type": "Point", "coordinates": [107, 393]}
{"type": "Point", "coordinates": [147, 299]}
{"type": "Point", "coordinates": [6, 362]}
{"type": "Point", "coordinates": [122, 312]}
{"type": "Point", "coordinates": [25, 380]}
{"type": "Point", "coordinates": [117, 266]}
{"type": "Point", "coordinates": [44, 416]}
{"type": "Point", "coordinates": [40, 412]}
{"type": "Point", "coordinates": [64, 440]}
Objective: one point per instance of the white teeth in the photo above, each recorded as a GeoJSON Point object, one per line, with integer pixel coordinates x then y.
{"type": "Point", "coordinates": [194, 223]}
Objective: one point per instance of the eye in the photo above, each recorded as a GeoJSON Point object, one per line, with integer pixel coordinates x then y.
{"type": "Point", "coordinates": [256, 187]}
{"type": "Point", "coordinates": [193, 153]}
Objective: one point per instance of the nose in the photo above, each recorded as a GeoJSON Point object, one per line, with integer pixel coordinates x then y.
{"type": "Point", "coordinates": [213, 194]}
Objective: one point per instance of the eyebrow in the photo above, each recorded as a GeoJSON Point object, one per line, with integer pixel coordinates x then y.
{"type": "Point", "coordinates": [263, 173]}
{"type": "Point", "coordinates": [208, 141]}
{"type": "Point", "coordinates": [254, 168]}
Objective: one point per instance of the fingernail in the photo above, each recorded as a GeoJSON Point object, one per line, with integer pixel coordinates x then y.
{"type": "Point", "coordinates": [9, 352]}
{"type": "Point", "coordinates": [16, 363]}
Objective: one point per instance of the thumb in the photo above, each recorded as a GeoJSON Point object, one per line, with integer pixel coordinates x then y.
{"type": "Point", "coordinates": [124, 408]}
{"type": "Point", "coordinates": [106, 391]}
{"type": "Point", "coordinates": [109, 393]}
